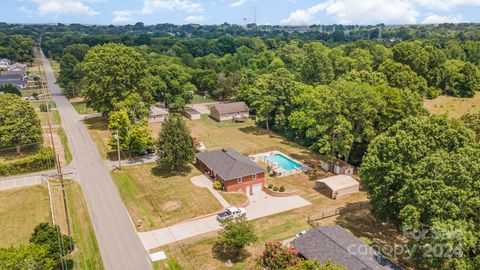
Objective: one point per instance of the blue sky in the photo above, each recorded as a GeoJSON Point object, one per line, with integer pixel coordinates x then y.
{"type": "Point", "coordinates": [294, 12]}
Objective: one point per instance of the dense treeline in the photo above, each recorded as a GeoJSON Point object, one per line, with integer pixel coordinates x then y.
{"type": "Point", "coordinates": [292, 85]}
{"type": "Point", "coordinates": [16, 47]}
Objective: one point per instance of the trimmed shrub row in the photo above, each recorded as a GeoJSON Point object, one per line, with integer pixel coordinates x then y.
{"type": "Point", "coordinates": [275, 188]}
{"type": "Point", "coordinates": [43, 160]}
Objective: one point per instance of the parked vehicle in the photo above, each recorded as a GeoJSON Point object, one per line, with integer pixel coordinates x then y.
{"type": "Point", "coordinates": [232, 212]}
{"type": "Point", "coordinates": [300, 233]}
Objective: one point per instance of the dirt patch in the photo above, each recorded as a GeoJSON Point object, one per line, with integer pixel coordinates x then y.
{"type": "Point", "coordinates": [58, 146]}
{"type": "Point", "coordinates": [77, 99]}
{"type": "Point", "coordinates": [171, 205]}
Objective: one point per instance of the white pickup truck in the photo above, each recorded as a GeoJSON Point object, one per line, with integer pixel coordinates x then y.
{"type": "Point", "coordinates": [232, 212]}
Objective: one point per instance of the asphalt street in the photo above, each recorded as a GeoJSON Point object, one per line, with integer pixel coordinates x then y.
{"type": "Point", "coordinates": [118, 241]}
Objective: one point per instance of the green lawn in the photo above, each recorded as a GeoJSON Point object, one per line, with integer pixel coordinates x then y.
{"type": "Point", "coordinates": [160, 197]}
{"type": "Point", "coordinates": [234, 198]}
{"type": "Point", "coordinates": [81, 107]}
{"type": "Point", "coordinates": [21, 210]}
{"type": "Point", "coordinates": [197, 99]}
{"type": "Point", "coordinates": [87, 255]}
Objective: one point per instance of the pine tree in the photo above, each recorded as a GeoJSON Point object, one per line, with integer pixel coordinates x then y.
{"type": "Point", "coordinates": [175, 144]}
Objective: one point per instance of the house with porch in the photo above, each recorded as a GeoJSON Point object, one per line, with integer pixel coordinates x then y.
{"type": "Point", "coordinates": [236, 171]}
{"type": "Point", "coordinates": [229, 111]}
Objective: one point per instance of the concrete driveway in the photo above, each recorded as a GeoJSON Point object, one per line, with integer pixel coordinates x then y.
{"type": "Point", "coordinates": [261, 205]}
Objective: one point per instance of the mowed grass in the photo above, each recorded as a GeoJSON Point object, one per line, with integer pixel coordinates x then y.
{"type": "Point", "coordinates": [81, 107]}
{"type": "Point", "coordinates": [86, 255]}
{"type": "Point", "coordinates": [159, 198]}
{"type": "Point", "coordinates": [196, 253]}
{"type": "Point", "coordinates": [21, 210]}
{"type": "Point", "coordinates": [235, 198]}
{"type": "Point", "coordinates": [453, 107]}
{"type": "Point", "coordinates": [197, 99]}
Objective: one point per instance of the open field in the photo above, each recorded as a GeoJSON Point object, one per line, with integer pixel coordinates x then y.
{"type": "Point", "coordinates": [158, 197]}
{"type": "Point", "coordinates": [453, 106]}
{"type": "Point", "coordinates": [197, 99]}
{"type": "Point", "coordinates": [21, 210]}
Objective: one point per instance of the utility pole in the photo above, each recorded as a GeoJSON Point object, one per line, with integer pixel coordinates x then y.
{"type": "Point", "coordinates": [57, 159]}
{"type": "Point", "coordinates": [118, 150]}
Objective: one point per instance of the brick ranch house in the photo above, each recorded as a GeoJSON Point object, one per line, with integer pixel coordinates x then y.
{"type": "Point", "coordinates": [236, 171]}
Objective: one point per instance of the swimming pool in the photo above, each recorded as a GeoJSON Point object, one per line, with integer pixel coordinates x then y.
{"type": "Point", "coordinates": [283, 162]}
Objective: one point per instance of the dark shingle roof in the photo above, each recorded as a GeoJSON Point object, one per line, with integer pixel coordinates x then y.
{"type": "Point", "coordinates": [10, 77]}
{"type": "Point", "coordinates": [229, 164]}
{"type": "Point", "coordinates": [16, 83]}
{"type": "Point", "coordinates": [336, 244]}
{"type": "Point", "coordinates": [231, 107]}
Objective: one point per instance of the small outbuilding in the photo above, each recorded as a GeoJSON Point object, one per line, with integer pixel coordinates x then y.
{"type": "Point", "coordinates": [157, 114]}
{"type": "Point", "coordinates": [338, 185]}
{"type": "Point", "coordinates": [229, 111]}
{"type": "Point", "coordinates": [191, 113]}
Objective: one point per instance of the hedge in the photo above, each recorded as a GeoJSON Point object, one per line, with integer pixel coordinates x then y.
{"type": "Point", "coordinates": [43, 160]}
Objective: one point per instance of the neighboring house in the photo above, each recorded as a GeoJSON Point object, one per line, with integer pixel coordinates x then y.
{"type": "Point", "coordinates": [191, 113]}
{"type": "Point", "coordinates": [229, 111]}
{"type": "Point", "coordinates": [17, 83]}
{"type": "Point", "coordinates": [340, 247]}
{"type": "Point", "coordinates": [18, 67]}
{"type": "Point", "coordinates": [157, 114]}
{"type": "Point", "coordinates": [236, 171]}
{"type": "Point", "coordinates": [13, 72]}
{"type": "Point", "coordinates": [338, 185]}
{"type": "Point", "coordinates": [10, 77]}
{"type": "Point", "coordinates": [4, 63]}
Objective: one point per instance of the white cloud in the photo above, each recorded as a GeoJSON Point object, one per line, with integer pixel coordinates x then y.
{"type": "Point", "coordinates": [195, 19]}
{"type": "Point", "coordinates": [377, 11]}
{"type": "Point", "coordinates": [150, 6]}
{"type": "Point", "coordinates": [447, 4]}
{"type": "Point", "coordinates": [77, 7]}
{"type": "Point", "coordinates": [437, 19]}
{"type": "Point", "coordinates": [122, 17]}
{"type": "Point", "coordinates": [361, 12]}
{"type": "Point", "coordinates": [238, 3]}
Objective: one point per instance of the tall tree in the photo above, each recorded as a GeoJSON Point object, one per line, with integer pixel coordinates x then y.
{"type": "Point", "coordinates": [236, 235]}
{"type": "Point", "coordinates": [175, 147]}
{"type": "Point", "coordinates": [472, 121]}
{"type": "Point", "coordinates": [112, 72]}
{"type": "Point", "coordinates": [19, 124]}
{"type": "Point", "coordinates": [317, 66]}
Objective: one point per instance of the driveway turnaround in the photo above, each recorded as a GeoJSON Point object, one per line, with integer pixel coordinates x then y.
{"type": "Point", "coordinates": [117, 239]}
{"type": "Point", "coordinates": [261, 205]}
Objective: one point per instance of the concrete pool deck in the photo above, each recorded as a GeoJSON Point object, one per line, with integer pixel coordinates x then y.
{"type": "Point", "coordinates": [279, 171]}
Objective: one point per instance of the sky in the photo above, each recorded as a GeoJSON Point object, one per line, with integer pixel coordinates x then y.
{"type": "Point", "coordinates": [287, 12]}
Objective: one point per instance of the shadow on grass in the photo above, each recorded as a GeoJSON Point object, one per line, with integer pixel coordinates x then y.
{"type": "Point", "coordinates": [223, 252]}
{"type": "Point", "coordinates": [165, 172]}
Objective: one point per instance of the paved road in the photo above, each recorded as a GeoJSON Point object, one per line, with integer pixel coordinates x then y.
{"type": "Point", "coordinates": [119, 244]}
{"type": "Point", "coordinates": [261, 205]}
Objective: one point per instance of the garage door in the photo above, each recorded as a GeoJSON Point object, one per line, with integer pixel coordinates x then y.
{"type": "Point", "coordinates": [257, 188]}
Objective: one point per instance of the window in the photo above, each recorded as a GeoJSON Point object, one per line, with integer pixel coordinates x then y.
{"type": "Point", "coordinates": [239, 180]}
{"type": "Point", "coordinates": [254, 177]}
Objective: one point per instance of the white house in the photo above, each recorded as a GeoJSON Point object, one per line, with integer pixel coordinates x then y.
{"type": "Point", "coordinates": [229, 111]}
{"type": "Point", "coordinates": [157, 114]}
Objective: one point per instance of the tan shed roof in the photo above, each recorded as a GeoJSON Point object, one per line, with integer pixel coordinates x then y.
{"type": "Point", "coordinates": [231, 107]}
{"type": "Point", "coordinates": [339, 182]}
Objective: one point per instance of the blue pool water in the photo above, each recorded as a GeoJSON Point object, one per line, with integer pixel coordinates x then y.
{"type": "Point", "coordinates": [283, 162]}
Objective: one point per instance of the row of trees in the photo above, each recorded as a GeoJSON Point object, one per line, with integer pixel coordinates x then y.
{"type": "Point", "coordinates": [16, 47]}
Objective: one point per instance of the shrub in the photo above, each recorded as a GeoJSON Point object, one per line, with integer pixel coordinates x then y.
{"type": "Point", "coordinates": [270, 186]}
{"type": "Point", "coordinates": [217, 185]}
{"type": "Point", "coordinates": [276, 256]}
{"type": "Point", "coordinates": [281, 189]}
{"type": "Point", "coordinates": [43, 160]}
{"type": "Point", "coordinates": [275, 188]}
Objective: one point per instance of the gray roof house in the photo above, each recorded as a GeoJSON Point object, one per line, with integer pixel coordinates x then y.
{"type": "Point", "coordinates": [17, 83]}
{"type": "Point", "coordinates": [10, 77]}
{"type": "Point", "coordinates": [229, 111]}
{"type": "Point", "coordinates": [17, 66]}
{"type": "Point", "coordinates": [236, 171]}
{"type": "Point", "coordinates": [336, 244]}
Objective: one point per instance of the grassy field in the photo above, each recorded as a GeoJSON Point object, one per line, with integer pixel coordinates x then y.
{"type": "Point", "coordinates": [55, 67]}
{"type": "Point", "coordinates": [159, 197]}
{"type": "Point", "coordinates": [21, 210]}
{"type": "Point", "coordinates": [81, 107]}
{"type": "Point", "coordinates": [453, 106]}
{"type": "Point", "coordinates": [197, 99]}
{"type": "Point", "coordinates": [98, 129]}
{"type": "Point", "coordinates": [87, 255]}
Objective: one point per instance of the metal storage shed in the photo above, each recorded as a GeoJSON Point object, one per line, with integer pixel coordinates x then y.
{"type": "Point", "coordinates": [338, 185]}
